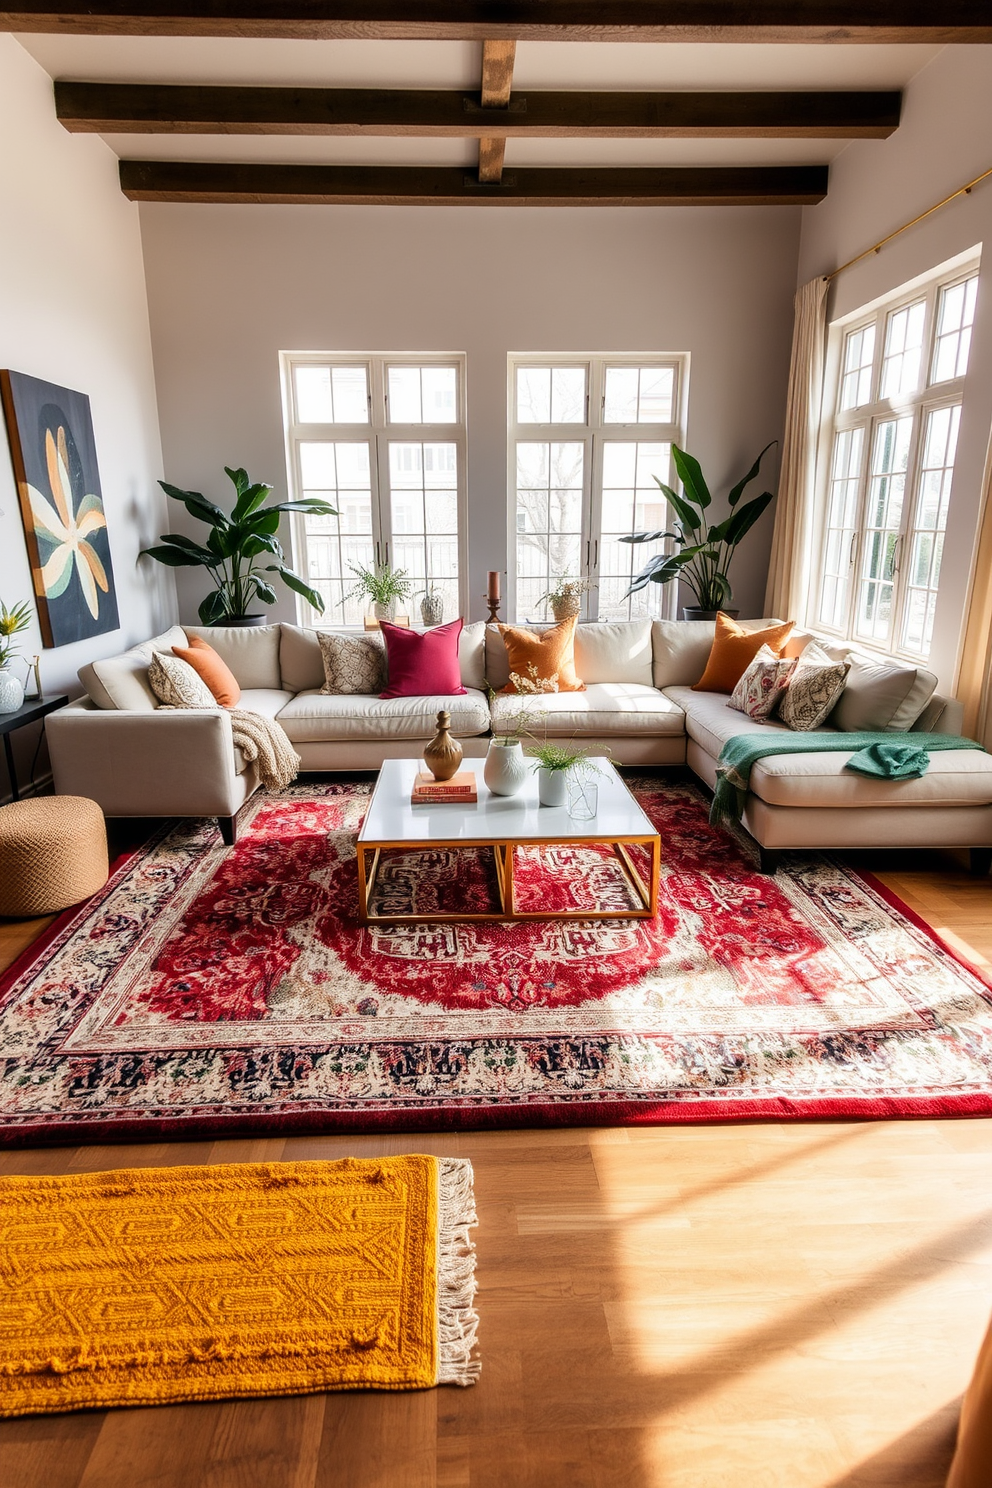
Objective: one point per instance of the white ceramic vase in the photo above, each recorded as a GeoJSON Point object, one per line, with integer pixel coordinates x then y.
{"type": "Point", "coordinates": [385, 611]}
{"type": "Point", "coordinates": [505, 769]}
{"type": "Point", "coordinates": [551, 787]}
{"type": "Point", "coordinates": [11, 691]}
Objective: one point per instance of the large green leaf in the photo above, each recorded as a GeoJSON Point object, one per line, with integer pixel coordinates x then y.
{"type": "Point", "coordinates": [177, 557]}
{"type": "Point", "coordinates": [224, 541]}
{"type": "Point", "coordinates": [259, 542]}
{"type": "Point", "coordinates": [738, 490]}
{"type": "Point", "coordinates": [689, 518]}
{"type": "Point", "coordinates": [314, 506]}
{"type": "Point", "coordinates": [745, 517]}
{"type": "Point", "coordinates": [240, 477]}
{"type": "Point", "coordinates": [213, 608]}
{"type": "Point", "coordinates": [691, 477]}
{"type": "Point", "coordinates": [249, 500]}
{"type": "Point", "coordinates": [179, 540]}
{"type": "Point", "coordinates": [197, 505]}
{"type": "Point", "coordinates": [265, 591]}
{"type": "Point", "coordinates": [264, 522]}
{"type": "Point", "coordinates": [643, 537]}
{"type": "Point", "coordinates": [298, 585]}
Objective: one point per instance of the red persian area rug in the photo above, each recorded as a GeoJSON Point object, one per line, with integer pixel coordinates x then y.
{"type": "Point", "coordinates": [212, 991]}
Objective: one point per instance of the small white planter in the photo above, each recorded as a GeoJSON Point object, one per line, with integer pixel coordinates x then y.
{"type": "Point", "coordinates": [505, 769]}
{"type": "Point", "coordinates": [11, 691]}
{"type": "Point", "coordinates": [551, 787]}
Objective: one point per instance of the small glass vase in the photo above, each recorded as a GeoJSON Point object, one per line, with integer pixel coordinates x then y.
{"type": "Point", "coordinates": [11, 691]}
{"type": "Point", "coordinates": [505, 769]}
{"type": "Point", "coordinates": [582, 797]}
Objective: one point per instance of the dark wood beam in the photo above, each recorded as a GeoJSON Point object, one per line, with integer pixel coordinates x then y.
{"type": "Point", "coordinates": [551, 20]}
{"type": "Point", "coordinates": [186, 181]}
{"type": "Point", "coordinates": [135, 108]}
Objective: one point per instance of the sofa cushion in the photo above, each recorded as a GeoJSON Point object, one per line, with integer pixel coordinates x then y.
{"type": "Point", "coordinates": [605, 708]}
{"type": "Point", "coordinates": [303, 670]}
{"type": "Point", "coordinates": [954, 778]}
{"type": "Point", "coordinates": [815, 686]}
{"type": "Point", "coordinates": [879, 693]}
{"type": "Point", "coordinates": [353, 662]}
{"type": "Point", "coordinates": [681, 648]}
{"type": "Point", "coordinates": [212, 670]}
{"type": "Point", "coordinates": [734, 648]}
{"type": "Point", "coordinates": [315, 716]}
{"type": "Point", "coordinates": [122, 681]}
{"type": "Point", "coordinates": [614, 651]}
{"type": "Point", "coordinates": [422, 663]}
{"type": "Point", "coordinates": [178, 685]}
{"type": "Point", "coordinates": [267, 700]}
{"type": "Point", "coordinates": [710, 720]}
{"type": "Point", "coordinates": [541, 659]}
{"type": "Point", "coordinates": [251, 651]}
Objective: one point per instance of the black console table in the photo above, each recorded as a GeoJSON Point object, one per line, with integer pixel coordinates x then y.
{"type": "Point", "coordinates": [26, 713]}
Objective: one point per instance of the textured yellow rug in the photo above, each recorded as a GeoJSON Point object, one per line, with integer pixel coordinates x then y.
{"type": "Point", "coordinates": [151, 1285]}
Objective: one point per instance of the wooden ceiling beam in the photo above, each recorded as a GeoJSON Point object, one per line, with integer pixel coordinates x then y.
{"type": "Point", "coordinates": [826, 21]}
{"type": "Point", "coordinates": [187, 181]}
{"type": "Point", "coordinates": [132, 108]}
{"type": "Point", "coordinates": [498, 58]}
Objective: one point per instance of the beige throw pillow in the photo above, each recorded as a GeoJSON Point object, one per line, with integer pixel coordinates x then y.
{"type": "Point", "coordinates": [814, 687]}
{"type": "Point", "coordinates": [353, 663]}
{"type": "Point", "coordinates": [175, 683]}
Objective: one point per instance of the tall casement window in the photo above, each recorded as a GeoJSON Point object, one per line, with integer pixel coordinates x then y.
{"type": "Point", "coordinates": [889, 464]}
{"type": "Point", "coordinates": [383, 439]}
{"type": "Point", "coordinates": [587, 437]}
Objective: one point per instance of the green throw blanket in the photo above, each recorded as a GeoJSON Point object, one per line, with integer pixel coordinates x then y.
{"type": "Point", "coordinates": [893, 756]}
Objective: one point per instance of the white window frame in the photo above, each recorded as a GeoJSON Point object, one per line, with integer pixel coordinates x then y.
{"type": "Point", "coordinates": [377, 433]}
{"type": "Point", "coordinates": [594, 433]}
{"type": "Point", "coordinates": [924, 400]}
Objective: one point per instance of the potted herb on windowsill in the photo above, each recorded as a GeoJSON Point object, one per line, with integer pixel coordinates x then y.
{"type": "Point", "coordinates": [235, 544]}
{"type": "Point", "coordinates": [703, 553]}
{"type": "Point", "coordinates": [564, 598]}
{"type": "Point", "coordinates": [381, 586]}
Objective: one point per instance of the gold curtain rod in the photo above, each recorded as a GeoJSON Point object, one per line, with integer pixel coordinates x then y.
{"type": "Point", "coordinates": [877, 247]}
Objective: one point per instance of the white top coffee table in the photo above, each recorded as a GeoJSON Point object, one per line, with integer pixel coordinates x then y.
{"type": "Point", "coordinates": [503, 823]}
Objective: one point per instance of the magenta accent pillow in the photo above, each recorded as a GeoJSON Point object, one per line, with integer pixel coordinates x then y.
{"type": "Point", "coordinates": [422, 664]}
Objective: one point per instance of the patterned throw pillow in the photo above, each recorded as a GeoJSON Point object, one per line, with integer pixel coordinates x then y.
{"type": "Point", "coordinates": [813, 690]}
{"type": "Point", "coordinates": [760, 690]}
{"type": "Point", "coordinates": [175, 683]}
{"type": "Point", "coordinates": [352, 663]}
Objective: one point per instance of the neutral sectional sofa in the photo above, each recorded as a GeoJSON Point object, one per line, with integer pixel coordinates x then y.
{"type": "Point", "coordinates": [118, 747]}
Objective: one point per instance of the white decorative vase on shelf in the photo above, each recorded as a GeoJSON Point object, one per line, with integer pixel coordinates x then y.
{"type": "Point", "coordinates": [11, 691]}
{"type": "Point", "coordinates": [551, 786]}
{"type": "Point", "coordinates": [384, 611]}
{"type": "Point", "coordinates": [505, 769]}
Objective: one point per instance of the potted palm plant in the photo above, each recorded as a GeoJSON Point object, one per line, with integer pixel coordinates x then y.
{"type": "Point", "coordinates": [235, 544]}
{"type": "Point", "coordinates": [704, 551]}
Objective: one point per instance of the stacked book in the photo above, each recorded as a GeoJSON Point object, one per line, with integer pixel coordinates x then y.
{"type": "Point", "coordinates": [460, 787]}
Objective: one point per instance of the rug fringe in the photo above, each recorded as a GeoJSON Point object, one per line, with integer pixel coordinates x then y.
{"type": "Point", "coordinates": [457, 1319]}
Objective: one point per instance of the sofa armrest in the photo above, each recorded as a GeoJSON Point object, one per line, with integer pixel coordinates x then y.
{"type": "Point", "coordinates": [941, 716]}
{"type": "Point", "coordinates": [146, 764]}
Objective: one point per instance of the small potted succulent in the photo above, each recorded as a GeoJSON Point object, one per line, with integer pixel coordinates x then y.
{"type": "Point", "coordinates": [381, 586]}
{"type": "Point", "coordinates": [12, 623]}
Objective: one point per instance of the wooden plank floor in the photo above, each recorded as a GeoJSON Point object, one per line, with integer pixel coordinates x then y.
{"type": "Point", "coordinates": [773, 1306]}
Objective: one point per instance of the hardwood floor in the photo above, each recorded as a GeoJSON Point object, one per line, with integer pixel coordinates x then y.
{"type": "Point", "coordinates": [772, 1306]}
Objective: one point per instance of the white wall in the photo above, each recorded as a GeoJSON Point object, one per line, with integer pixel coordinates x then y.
{"type": "Point", "coordinates": [944, 140]}
{"type": "Point", "coordinates": [73, 311]}
{"type": "Point", "coordinates": [229, 287]}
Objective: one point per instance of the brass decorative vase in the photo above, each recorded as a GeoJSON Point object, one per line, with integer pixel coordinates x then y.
{"type": "Point", "coordinates": [443, 754]}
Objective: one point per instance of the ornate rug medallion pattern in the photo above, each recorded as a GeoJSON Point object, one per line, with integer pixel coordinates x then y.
{"type": "Point", "coordinates": [217, 991]}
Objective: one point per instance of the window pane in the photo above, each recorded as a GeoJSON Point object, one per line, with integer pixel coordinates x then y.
{"type": "Point", "coordinates": [639, 395]}
{"type": "Point", "coordinates": [927, 537]}
{"type": "Point", "coordinates": [548, 517]}
{"type": "Point", "coordinates": [404, 395]}
{"type": "Point", "coordinates": [331, 395]}
{"type": "Point", "coordinates": [955, 317]}
{"type": "Point", "coordinates": [533, 395]}
{"type": "Point", "coordinates": [886, 492]}
{"type": "Point", "coordinates": [340, 472]}
{"type": "Point", "coordinates": [903, 350]}
{"type": "Point", "coordinates": [568, 395]}
{"type": "Point", "coordinates": [423, 395]}
{"type": "Point", "coordinates": [423, 483]}
{"type": "Point", "coordinates": [859, 352]}
{"type": "Point", "coordinates": [841, 527]}
{"type": "Point", "coordinates": [632, 502]}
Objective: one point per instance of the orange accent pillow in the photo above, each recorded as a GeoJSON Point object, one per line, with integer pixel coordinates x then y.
{"type": "Point", "coordinates": [542, 659]}
{"type": "Point", "coordinates": [212, 669]}
{"type": "Point", "coordinates": [733, 651]}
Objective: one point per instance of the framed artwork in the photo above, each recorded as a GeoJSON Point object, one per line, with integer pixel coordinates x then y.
{"type": "Point", "coordinates": [58, 483]}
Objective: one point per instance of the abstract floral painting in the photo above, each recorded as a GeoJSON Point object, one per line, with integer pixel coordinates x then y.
{"type": "Point", "coordinates": [58, 482]}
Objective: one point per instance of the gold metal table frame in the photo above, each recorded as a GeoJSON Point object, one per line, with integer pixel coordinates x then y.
{"type": "Point", "coordinates": [646, 894]}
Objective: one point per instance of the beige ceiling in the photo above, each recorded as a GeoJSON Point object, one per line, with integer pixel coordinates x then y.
{"type": "Point", "coordinates": [430, 64]}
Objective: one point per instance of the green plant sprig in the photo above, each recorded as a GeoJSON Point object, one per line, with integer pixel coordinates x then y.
{"type": "Point", "coordinates": [234, 542]}
{"type": "Point", "coordinates": [704, 552]}
{"type": "Point", "coordinates": [381, 585]}
{"type": "Point", "coordinates": [12, 623]}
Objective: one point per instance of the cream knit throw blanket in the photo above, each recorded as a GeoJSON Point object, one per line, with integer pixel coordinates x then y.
{"type": "Point", "coordinates": [263, 741]}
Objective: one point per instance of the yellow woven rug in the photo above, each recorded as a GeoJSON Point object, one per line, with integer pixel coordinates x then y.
{"type": "Point", "coordinates": [152, 1285]}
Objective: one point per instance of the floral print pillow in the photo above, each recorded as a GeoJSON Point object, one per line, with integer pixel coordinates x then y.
{"type": "Point", "coordinates": [762, 686]}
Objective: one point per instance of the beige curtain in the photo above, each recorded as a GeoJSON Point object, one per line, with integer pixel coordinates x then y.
{"type": "Point", "coordinates": [974, 686]}
{"type": "Point", "coordinates": [789, 565]}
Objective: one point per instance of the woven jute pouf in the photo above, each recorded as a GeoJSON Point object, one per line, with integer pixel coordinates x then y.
{"type": "Point", "coordinates": [53, 853]}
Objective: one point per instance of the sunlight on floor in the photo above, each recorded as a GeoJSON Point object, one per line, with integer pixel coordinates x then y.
{"type": "Point", "coordinates": [788, 1346]}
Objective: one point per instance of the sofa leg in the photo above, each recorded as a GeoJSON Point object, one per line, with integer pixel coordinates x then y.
{"type": "Point", "coordinates": [228, 829]}
{"type": "Point", "coordinates": [769, 859]}
{"type": "Point", "coordinates": [980, 861]}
